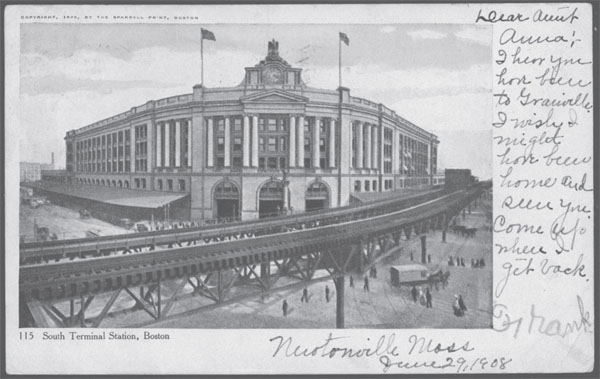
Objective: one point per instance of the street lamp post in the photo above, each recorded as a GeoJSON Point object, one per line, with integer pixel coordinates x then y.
{"type": "Point", "coordinates": [286, 198]}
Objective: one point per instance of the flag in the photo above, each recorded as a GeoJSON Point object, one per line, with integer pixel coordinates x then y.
{"type": "Point", "coordinates": [344, 38]}
{"type": "Point", "coordinates": [208, 35]}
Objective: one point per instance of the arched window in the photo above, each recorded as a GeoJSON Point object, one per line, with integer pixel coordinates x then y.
{"type": "Point", "coordinates": [127, 184]}
{"type": "Point", "coordinates": [271, 190]}
{"type": "Point", "coordinates": [120, 184]}
{"type": "Point", "coordinates": [102, 183]}
{"type": "Point", "coordinates": [114, 183]}
{"type": "Point", "coordinates": [317, 190]}
{"type": "Point", "coordinates": [226, 190]}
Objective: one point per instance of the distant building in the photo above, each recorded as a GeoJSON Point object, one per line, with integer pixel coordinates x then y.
{"type": "Point", "coordinates": [269, 145]}
{"type": "Point", "coordinates": [32, 171]}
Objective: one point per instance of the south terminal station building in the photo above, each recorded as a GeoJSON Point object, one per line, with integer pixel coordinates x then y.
{"type": "Point", "coordinates": [270, 145]}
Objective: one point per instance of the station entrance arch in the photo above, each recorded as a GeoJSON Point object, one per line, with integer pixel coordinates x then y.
{"type": "Point", "coordinates": [227, 201]}
{"type": "Point", "coordinates": [270, 199]}
{"type": "Point", "coordinates": [317, 197]}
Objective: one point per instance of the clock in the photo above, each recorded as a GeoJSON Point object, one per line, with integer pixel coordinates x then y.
{"type": "Point", "coordinates": [272, 75]}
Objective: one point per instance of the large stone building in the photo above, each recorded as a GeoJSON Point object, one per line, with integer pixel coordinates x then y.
{"type": "Point", "coordinates": [269, 144]}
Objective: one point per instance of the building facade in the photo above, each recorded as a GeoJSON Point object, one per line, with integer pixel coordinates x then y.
{"type": "Point", "coordinates": [269, 145]}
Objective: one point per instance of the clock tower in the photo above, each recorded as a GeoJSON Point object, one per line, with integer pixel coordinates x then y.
{"type": "Point", "coordinates": [273, 72]}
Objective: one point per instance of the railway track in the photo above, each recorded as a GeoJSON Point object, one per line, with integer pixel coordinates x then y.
{"type": "Point", "coordinates": [69, 279]}
{"type": "Point", "coordinates": [57, 251]}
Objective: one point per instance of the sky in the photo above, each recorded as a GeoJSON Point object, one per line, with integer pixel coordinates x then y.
{"type": "Point", "coordinates": [438, 76]}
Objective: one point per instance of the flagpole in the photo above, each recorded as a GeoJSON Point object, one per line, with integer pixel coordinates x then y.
{"type": "Point", "coordinates": [202, 58]}
{"type": "Point", "coordinates": [339, 135]}
{"type": "Point", "coordinates": [340, 60]}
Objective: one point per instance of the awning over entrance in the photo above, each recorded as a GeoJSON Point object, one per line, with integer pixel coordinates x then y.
{"type": "Point", "coordinates": [110, 195]}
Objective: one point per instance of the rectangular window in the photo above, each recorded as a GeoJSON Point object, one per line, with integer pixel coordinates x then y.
{"type": "Point", "coordinates": [307, 145]}
{"type": "Point", "coordinates": [220, 162]}
{"type": "Point", "coordinates": [307, 162]}
{"type": "Point", "coordinates": [282, 144]}
{"type": "Point", "coordinates": [144, 183]}
{"type": "Point", "coordinates": [261, 163]}
{"type": "Point", "coordinates": [182, 184]}
{"type": "Point", "coordinates": [322, 145]}
{"type": "Point", "coordinates": [237, 124]}
{"type": "Point", "coordinates": [159, 183]}
{"type": "Point", "coordinates": [261, 144]}
{"type": "Point", "coordinates": [137, 182]}
{"type": "Point", "coordinates": [282, 163]}
{"type": "Point", "coordinates": [283, 124]}
{"type": "Point", "coordinates": [170, 184]}
{"type": "Point", "coordinates": [374, 185]}
{"type": "Point", "coordinates": [367, 185]}
{"type": "Point", "coordinates": [272, 162]}
{"type": "Point", "coordinates": [272, 124]}
{"type": "Point", "coordinates": [221, 125]}
{"type": "Point", "coordinates": [237, 162]}
{"type": "Point", "coordinates": [220, 144]}
{"type": "Point", "coordinates": [237, 144]}
{"type": "Point", "coordinates": [261, 124]}
{"type": "Point", "coordinates": [357, 186]}
{"type": "Point", "coordinates": [272, 144]}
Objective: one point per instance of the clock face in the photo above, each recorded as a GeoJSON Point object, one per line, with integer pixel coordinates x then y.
{"type": "Point", "coordinates": [272, 75]}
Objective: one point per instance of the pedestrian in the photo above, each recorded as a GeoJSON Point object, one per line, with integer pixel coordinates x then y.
{"type": "Point", "coordinates": [456, 307]}
{"type": "Point", "coordinates": [285, 308]}
{"type": "Point", "coordinates": [428, 298]}
{"type": "Point", "coordinates": [351, 281]}
{"type": "Point", "coordinates": [304, 295]}
{"type": "Point", "coordinates": [366, 286]}
{"type": "Point", "coordinates": [428, 258]}
{"type": "Point", "coordinates": [461, 304]}
{"type": "Point", "coordinates": [413, 292]}
{"type": "Point", "coordinates": [422, 299]}
{"type": "Point", "coordinates": [327, 293]}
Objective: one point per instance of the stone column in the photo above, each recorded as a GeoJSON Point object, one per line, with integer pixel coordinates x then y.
{"type": "Point", "coordinates": [300, 142]}
{"type": "Point", "coordinates": [331, 143]}
{"type": "Point", "coordinates": [167, 144]}
{"type": "Point", "coordinates": [374, 147]}
{"type": "Point", "coordinates": [150, 147]}
{"type": "Point", "coordinates": [255, 141]}
{"type": "Point", "coordinates": [316, 143]}
{"type": "Point", "coordinates": [189, 143]}
{"type": "Point", "coordinates": [227, 154]}
{"type": "Point", "coordinates": [246, 141]}
{"type": "Point", "coordinates": [359, 145]}
{"type": "Point", "coordinates": [292, 142]}
{"type": "Point", "coordinates": [131, 149]}
{"type": "Point", "coordinates": [119, 155]}
{"type": "Point", "coordinates": [177, 143]}
{"type": "Point", "coordinates": [368, 146]}
{"type": "Point", "coordinates": [210, 156]}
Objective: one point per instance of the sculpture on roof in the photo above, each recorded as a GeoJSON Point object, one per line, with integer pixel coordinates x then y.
{"type": "Point", "coordinates": [273, 53]}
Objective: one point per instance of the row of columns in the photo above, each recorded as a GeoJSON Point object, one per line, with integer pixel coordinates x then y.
{"type": "Point", "coordinates": [295, 138]}
{"type": "Point", "coordinates": [167, 142]}
{"type": "Point", "coordinates": [367, 137]}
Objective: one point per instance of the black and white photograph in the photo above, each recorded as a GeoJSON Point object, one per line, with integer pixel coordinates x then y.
{"type": "Point", "coordinates": [300, 188]}
{"type": "Point", "coordinates": [243, 201]}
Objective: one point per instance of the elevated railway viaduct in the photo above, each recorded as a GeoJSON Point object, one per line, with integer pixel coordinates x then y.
{"type": "Point", "coordinates": [167, 266]}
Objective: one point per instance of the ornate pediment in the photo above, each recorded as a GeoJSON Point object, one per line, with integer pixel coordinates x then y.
{"type": "Point", "coordinates": [274, 96]}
